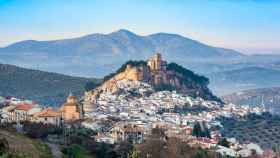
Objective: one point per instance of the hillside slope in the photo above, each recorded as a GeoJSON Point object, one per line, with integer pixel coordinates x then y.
{"type": "Point", "coordinates": [243, 79]}
{"type": "Point", "coordinates": [22, 146]}
{"type": "Point", "coordinates": [43, 87]}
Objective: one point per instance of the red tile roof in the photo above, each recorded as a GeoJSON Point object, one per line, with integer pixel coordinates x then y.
{"type": "Point", "coordinates": [48, 112]}
{"type": "Point", "coordinates": [24, 107]}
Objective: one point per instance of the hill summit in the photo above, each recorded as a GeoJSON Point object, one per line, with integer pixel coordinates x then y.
{"type": "Point", "coordinates": [156, 72]}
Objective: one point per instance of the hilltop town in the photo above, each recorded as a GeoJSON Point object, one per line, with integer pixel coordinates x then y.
{"type": "Point", "coordinates": [159, 74]}
{"type": "Point", "coordinates": [139, 97]}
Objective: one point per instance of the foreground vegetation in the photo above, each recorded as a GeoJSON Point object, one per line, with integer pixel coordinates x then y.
{"type": "Point", "coordinates": [159, 146]}
{"type": "Point", "coordinates": [78, 142]}
{"type": "Point", "coordinates": [16, 145]}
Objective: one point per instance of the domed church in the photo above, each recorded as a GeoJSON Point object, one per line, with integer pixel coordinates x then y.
{"type": "Point", "coordinates": [71, 110]}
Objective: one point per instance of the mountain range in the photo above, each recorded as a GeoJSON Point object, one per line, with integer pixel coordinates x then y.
{"type": "Point", "coordinates": [97, 55]}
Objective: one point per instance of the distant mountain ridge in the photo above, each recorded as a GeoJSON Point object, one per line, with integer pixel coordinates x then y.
{"type": "Point", "coordinates": [243, 79]}
{"type": "Point", "coordinates": [121, 42]}
{"type": "Point", "coordinates": [43, 87]}
{"type": "Point", "coordinates": [104, 52]}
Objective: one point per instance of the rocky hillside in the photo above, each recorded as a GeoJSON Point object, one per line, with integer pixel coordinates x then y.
{"type": "Point", "coordinates": [43, 87]}
{"type": "Point", "coordinates": [159, 74]}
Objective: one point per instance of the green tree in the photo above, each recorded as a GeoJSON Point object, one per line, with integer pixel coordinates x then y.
{"type": "Point", "coordinates": [200, 130]}
{"type": "Point", "coordinates": [134, 154]}
{"type": "Point", "coordinates": [224, 142]}
{"type": "Point", "coordinates": [201, 154]}
{"type": "Point", "coordinates": [90, 85]}
{"type": "Point", "coordinates": [197, 130]}
{"type": "Point", "coordinates": [4, 146]}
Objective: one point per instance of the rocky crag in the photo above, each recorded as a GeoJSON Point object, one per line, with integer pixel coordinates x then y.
{"type": "Point", "coordinates": [156, 72]}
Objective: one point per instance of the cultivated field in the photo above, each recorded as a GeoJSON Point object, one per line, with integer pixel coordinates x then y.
{"type": "Point", "coordinates": [263, 130]}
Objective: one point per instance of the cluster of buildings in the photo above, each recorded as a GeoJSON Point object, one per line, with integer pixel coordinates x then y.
{"type": "Point", "coordinates": [137, 108]}
{"type": "Point", "coordinates": [16, 110]}
{"type": "Point", "coordinates": [134, 111]}
{"type": "Point", "coordinates": [127, 108]}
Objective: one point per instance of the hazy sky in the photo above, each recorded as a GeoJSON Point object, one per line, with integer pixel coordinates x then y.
{"type": "Point", "coordinates": [252, 26]}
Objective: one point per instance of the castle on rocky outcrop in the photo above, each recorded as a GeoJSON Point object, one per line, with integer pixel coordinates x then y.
{"type": "Point", "coordinates": [154, 72]}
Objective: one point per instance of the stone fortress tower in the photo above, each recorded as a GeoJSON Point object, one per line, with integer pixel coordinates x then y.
{"type": "Point", "coordinates": [157, 68]}
{"type": "Point", "coordinates": [156, 63]}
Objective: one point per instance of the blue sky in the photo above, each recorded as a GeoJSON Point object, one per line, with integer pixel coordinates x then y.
{"type": "Point", "coordinates": [251, 26]}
